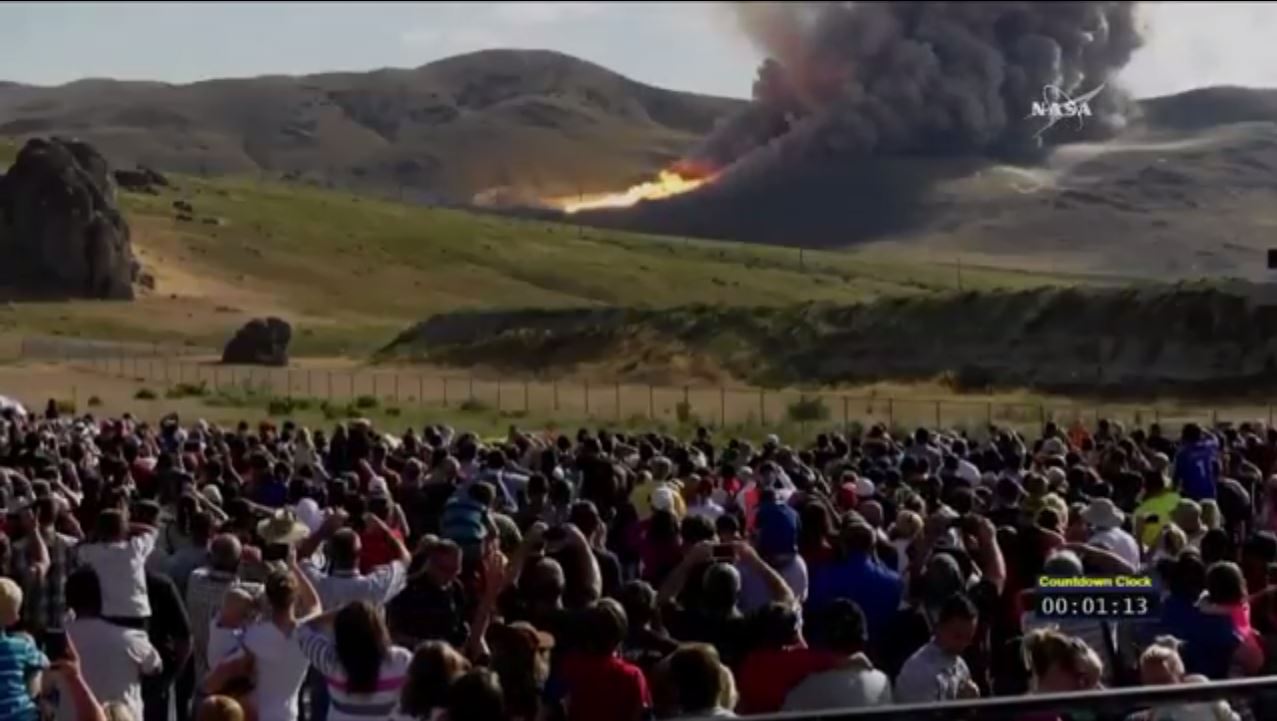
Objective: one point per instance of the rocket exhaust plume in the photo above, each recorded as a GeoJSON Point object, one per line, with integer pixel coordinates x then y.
{"type": "Point", "coordinates": [851, 78]}
{"type": "Point", "coordinates": [848, 79]}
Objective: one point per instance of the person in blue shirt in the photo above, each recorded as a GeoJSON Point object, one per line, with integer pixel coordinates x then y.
{"type": "Point", "coordinates": [1195, 464]}
{"type": "Point", "coordinates": [20, 661]}
{"type": "Point", "coordinates": [860, 577]}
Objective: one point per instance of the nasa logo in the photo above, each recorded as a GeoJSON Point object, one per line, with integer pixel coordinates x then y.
{"type": "Point", "coordinates": [1056, 105]}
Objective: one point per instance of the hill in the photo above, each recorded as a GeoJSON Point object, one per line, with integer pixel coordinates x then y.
{"type": "Point", "coordinates": [351, 272]}
{"type": "Point", "coordinates": [1134, 341]}
{"type": "Point", "coordinates": [502, 120]}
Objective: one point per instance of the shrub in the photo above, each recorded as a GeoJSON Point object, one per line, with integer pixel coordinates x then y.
{"type": "Point", "coordinates": [806, 410]}
{"type": "Point", "coordinates": [683, 411]}
{"type": "Point", "coordinates": [393, 412]}
{"type": "Point", "coordinates": [280, 406]}
{"type": "Point", "coordinates": [188, 390]}
{"type": "Point", "coordinates": [145, 394]}
{"type": "Point", "coordinates": [65, 407]}
{"type": "Point", "coordinates": [94, 401]}
{"type": "Point", "coordinates": [303, 404]}
{"type": "Point", "coordinates": [474, 405]}
{"type": "Point", "coordinates": [331, 412]}
{"type": "Point", "coordinates": [366, 402]}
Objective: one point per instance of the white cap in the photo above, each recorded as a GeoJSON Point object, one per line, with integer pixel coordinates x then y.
{"type": "Point", "coordinates": [864, 488]}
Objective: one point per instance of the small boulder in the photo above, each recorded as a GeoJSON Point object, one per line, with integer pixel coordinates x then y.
{"type": "Point", "coordinates": [183, 206]}
{"type": "Point", "coordinates": [261, 341]}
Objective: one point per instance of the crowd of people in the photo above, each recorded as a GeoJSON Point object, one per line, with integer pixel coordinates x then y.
{"type": "Point", "coordinates": [153, 572]}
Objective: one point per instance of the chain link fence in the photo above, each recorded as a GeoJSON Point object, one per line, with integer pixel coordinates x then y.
{"type": "Point", "coordinates": [630, 403]}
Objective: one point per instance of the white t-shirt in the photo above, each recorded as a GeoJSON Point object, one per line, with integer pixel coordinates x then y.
{"type": "Point", "coordinates": [754, 593]}
{"type": "Point", "coordinates": [281, 668]}
{"type": "Point", "coordinates": [1119, 542]}
{"type": "Point", "coordinates": [121, 569]}
{"type": "Point", "coordinates": [223, 643]}
{"type": "Point", "coordinates": [114, 660]}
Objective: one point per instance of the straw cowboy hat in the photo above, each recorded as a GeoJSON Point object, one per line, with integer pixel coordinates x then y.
{"type": "Point", "coordinates": [283, 527]}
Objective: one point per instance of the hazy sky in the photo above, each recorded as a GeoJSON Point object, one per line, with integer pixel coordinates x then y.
{"type": "Point", "coordinates": [688, 46]}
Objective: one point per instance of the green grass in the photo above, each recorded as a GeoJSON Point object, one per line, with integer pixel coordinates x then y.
{"type": "Point", "coordinates": [351, 272]}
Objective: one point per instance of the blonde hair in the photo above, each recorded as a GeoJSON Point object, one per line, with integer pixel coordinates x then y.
{"type": "Point", "coordinates": [1172, 539]}
{"type": "Point", "coordinates": [1211, 516]}
{"type": "Point", "coordinates": [1165, 653]}
{"type": "Point", "coordinates": [728, 697]}
{"type": "Point", "coordinates": [908, 524]}
{"type": "Point", "coordinates": [1045, 648]}
{"type": "Point", "coordinates": [220, 708]}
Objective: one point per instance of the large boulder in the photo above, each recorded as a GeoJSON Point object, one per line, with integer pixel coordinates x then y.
{"type": "Point", "coordinates": [262, 341]}
{"type": "Point", "coordinates": [61, 230]}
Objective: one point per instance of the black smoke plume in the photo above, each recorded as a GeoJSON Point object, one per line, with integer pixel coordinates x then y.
{"type": "Point", "coordinates": [856, 78]}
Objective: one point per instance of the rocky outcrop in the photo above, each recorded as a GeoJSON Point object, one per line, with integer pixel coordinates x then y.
{"type": "Point", "coordinates": [61, 231]}
{"type": "Point", "coordinates": [262, 341]}
{"type": "Point", "coordinates": [141, 180]}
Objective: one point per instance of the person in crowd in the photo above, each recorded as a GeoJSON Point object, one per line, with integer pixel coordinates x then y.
{"type": "Point", "coordinates": [21, 662]}
{"type": "Point", "coordinates": [599, 683]}
{"type": "Point", "coordinates": [169, 631]}
{"type": "Point", "coordinates": [435, 667]}
{"type": "Point", "coordinates": [854, 683]}
{"type": "Point", "coordinates": [118, 554]}
{"type": "Point", "coordinates": [937, 671]}
{"type": "Point", "coordinates": [365, 673]}
{"type": "Point", "coordinates": [120, 655]}
{"type": "Point", "coordinates": [278, 663]}
{"type": "Point", "coordinates": [204, 594]}
{"type": "Point", "coordinates": [433, 602]}
{"type": "Point", "coordinates": [1162, 665]}
{"type": "Point", "coordinates": [700, 686]}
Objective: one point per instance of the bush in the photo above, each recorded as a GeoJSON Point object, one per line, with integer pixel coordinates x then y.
{"type": "Point", "coordinates": [94, 401]}
{"type": "Point", "coordinates": [331, 412]}
{"type": "Point", "coordinates": [474, 405]}
{"type": "Point", "coordinates": [188, 390]}
{"type": "Point", "coordinates": [280, 407]}
{"type": "Point", "coordinates": [65, 407]}
{"type": "Point", "coordinates": [367, 402]}
{"type": "Point", "coordinates": [806, 410]}
{"type": "Point", "coordinates": [145, 394]}
{"type": "Point", "coordinates": [683, 411]}
{"type": "Point", "coordinates": [393, 412]}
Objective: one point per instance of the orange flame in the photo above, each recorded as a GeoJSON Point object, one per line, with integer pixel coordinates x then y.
{"type": "Point", "coordinates": [667, 183]}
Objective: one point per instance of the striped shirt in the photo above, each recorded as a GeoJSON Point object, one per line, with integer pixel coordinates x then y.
{"type": "Point", "coordinates": [45, 606]}
{"type": "Point", "coordinates": [344, 705]}
{"type": "Point", "coordinates": [19, 658]}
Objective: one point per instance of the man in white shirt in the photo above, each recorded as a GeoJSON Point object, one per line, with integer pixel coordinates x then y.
{"type": "Point", "coordinates": [856, 684]}
{"type": "Point", "coordinates": [118, 555]}
{"type": "Point", "coordinates": [115, 658]}
{"type": "Point", "coordinates": [1105, 520]}
{"type": "Point", "coordinates": [344, 583]}
{"type": "Point", "coordinates": [280, 666]}
{"type": "Point", "coordinates": [937, 672]}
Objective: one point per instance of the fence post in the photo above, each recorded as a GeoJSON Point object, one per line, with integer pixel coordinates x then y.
{"type": "Point", "coordinates": [376, 392]}
{"type": "Point", "coordinates": [587, 398]}
{"type": "Point", "coordinates": [1214, 417]}
{"type": "Point", "coordinates": [722, 406]}
{"type": "Point", "coordinates": [989, 414]}
{"type": "Point", "coordinates": [618, 401]}
{"type": "Point", "coordinates": [1041, 416]}
{"type": "Point", "coordinates": [891, 413]}
{"type": "Point", "coordinates": [651, 402]}
{"type": "Point", "coordinates": [330, 385]}
{"type": "Point", "coordinates": [555, 388]}
{"type": "Point", "coordinates": [472, 386]}
{"type": "Point", "coordinates": [526, 409]}
{"type": "Point", "coordinates": [310, 383]}
{"type": "Point", "coordinates": [762, 407]}
{"type": "Point", "coordinates": [421, 391]}
{"type": "Point", "coordinates": [846, 418]}
{"type": "Point", "coordinates": [396, 388]}
{"type": "Point", "coordinates": [288, 378]}
{"type": "Point", "coordinates": [498, 394]}
{"type": "Point", "coordinates": [352, 385]}
{"type": "Point", "coordinates": [938, 415]}
{"type": "Point", "coordinates": [445, 391]}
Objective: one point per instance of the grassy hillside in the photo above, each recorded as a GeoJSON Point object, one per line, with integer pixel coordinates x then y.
{"type": "Point", "coordinates": [352, 272]}
{"type": "Point", "coordinates": [531, 121]}
{"type": "Point", "coordinates": [1141, 341]}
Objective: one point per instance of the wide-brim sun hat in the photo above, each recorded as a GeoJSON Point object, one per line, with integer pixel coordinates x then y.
{"type": "Point", "coordinates": [283, 527]}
